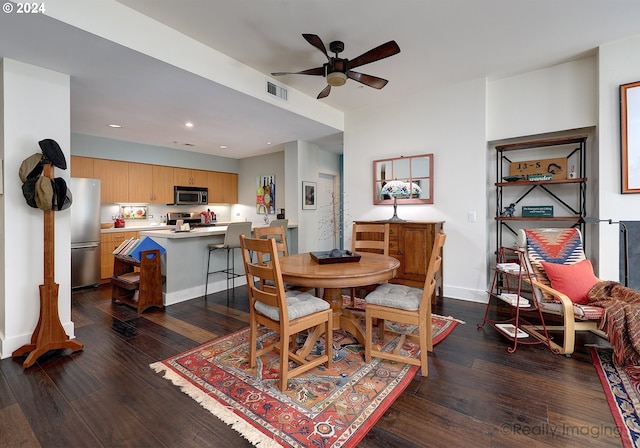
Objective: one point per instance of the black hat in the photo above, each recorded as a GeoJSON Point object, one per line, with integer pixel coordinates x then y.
{"type": "Point", "coordinates": [52, 153]}
{"type": "Point", "coordinates": [61, 194]}
{"type": "Point", "coordinates": [29, 191]}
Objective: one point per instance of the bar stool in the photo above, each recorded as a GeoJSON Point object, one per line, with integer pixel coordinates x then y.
{"type": "Point", "coordinates": [231, 242]}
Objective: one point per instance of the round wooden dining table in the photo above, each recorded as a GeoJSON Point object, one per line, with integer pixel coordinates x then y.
{"type": "Point", "coordinates": [303, 270]}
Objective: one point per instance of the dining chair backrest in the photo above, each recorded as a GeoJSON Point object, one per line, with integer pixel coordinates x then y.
{"type": "Point", "coordinates": [234, 230]}
{"type": "Point", "coordinates": [370, 237]}
{"type": "Point", "coordinates": [278, 233]}
{"type": "Point", "coordinates": [264, 279]}
{"type": "Point", "coordinates": [435, 263]}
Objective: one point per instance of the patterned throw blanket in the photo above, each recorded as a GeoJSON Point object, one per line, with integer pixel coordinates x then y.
{"type": "Point", "coordinates": [621, 320]}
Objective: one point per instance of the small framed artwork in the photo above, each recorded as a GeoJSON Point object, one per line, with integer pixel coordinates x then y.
{"type": "Point", "coordinates": [308, 195]}
{"type": "Point", "coordinates": [630, 136]}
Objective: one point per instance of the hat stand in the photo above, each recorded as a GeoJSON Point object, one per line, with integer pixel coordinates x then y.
{"type": "Point", "coordinates": [49, 333]}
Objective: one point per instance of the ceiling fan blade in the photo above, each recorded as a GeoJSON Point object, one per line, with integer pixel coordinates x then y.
{"type": "Point", "coordinates": [318, 71]}
{"type": "Point", "coordinates": [316, 42]}
{"type": "Point", "coordinates": [325, 92]}
{"type": "Point", "coordinates": [375, 54]}
{"type": "Point", "coordinates": [371, 81]}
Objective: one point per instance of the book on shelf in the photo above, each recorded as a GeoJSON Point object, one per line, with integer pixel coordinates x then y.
{"type": "Point", "coordinates": [510, 330]}
{"type": "Point", "coordinates": [122, 245]}
{"type": "Point", "coordinates": [511, 268]}
{"type": "Point", "coordinates": [514, 299]}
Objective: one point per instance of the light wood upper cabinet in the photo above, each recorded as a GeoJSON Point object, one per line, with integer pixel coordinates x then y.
{"type": "Point", "coordinates": [223, 188]}
{"type": "Point", "coordinates": [229, 188]}
{"type": "Point", "coordinates": [140, 182]}
{"type": "Point", "coordinates": [162, 184]}
{"type": "Point", "coordinates": [114, 175]}
{"type": "Point", "coordinates": [189, 177]}
{"type": "Point", "coordinates": [81, 167]}
{"type": "Point", "coordinates": [152, 184]}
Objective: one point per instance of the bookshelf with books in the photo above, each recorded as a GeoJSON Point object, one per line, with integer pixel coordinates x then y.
{"type": "Point", "coordinates": [511, 286]}
{"type": "Point", "coordinates": [137, 277]}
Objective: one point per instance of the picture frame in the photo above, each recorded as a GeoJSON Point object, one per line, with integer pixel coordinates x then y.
{"type": "Point", "coordinates": [416, 169]}
{"type": "Point", "coordinates": [309, 197]}
{"type": "Point", "coordinates": [630, 137]}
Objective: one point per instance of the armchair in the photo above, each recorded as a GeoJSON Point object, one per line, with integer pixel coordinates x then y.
{"type": "Point", "coordinates": [563, 276]}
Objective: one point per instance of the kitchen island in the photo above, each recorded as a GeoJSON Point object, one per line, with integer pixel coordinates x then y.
{"type": "Point", "coordinates": [185, 263]}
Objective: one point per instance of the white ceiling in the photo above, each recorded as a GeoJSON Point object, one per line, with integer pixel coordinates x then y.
{"type": "Point", "coordinates": [441, 41]}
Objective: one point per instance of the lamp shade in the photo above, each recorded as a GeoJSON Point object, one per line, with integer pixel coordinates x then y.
{"type": "Point", "coordinates": [398, 188]}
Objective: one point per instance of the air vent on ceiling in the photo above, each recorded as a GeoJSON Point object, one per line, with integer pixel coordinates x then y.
{"type": "Point", "coordinates": [276, 90]}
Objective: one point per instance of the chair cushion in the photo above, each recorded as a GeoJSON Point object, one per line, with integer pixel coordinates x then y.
{"type": "Point", "coordinates": [582, 312]}
{"type": "Point", "coordinates": [395, 296]}
{"type": "Point", "coordinates": [574, 280]}
{"type": "Point", "coordinates": [562, 246]}
{"type": "Point", "coordinates": [299, 304]}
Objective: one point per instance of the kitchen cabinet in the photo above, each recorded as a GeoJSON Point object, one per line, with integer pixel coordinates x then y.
{"type": "Point", "coordinates": [162, 184]}
{"type": "Point", "coordinates": [410, 242]}
{"type": "Point", "coordinates": [223, 187]}
{"type": "Point", "coordinates": [189, 177]}
{"type": "Point", "coordinates": [81, 167]}
{"type": "Point", "coordinates": [114, 175]}
{"type": "Point", "coordinates": [152, 184]}
{"type": "Point", "coordinates": [108, 242]}
{"type": "Point", "coordinates": [140, 182]}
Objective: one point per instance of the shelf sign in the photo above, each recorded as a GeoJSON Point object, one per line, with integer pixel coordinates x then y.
{"type": "Point", "coordinates": [537, 211]}
{"type": "Point", "coordinates": [556, 167]}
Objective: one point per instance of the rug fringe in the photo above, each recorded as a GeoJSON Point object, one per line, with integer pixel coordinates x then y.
{"type": "Point", "coordinates": [246, 430]}
{"type": "Point", "coordinates": [450, 318]}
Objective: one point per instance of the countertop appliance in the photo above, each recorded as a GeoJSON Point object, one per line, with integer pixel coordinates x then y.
{"type": "Point", "coordinates": [85, 232]}
{"type": "Point", "coordinates": [190, 195]}
{"type": "Point", "coordinates": [193, 219]}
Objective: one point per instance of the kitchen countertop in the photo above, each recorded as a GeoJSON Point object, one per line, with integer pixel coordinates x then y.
{"type": "Point", "coordinates": [167, 232]}
{"type": "Point", "coordinates": [140, 228]}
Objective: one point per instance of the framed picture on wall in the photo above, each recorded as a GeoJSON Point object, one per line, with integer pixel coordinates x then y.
{"type": "Point", "coordinates": [309, 195]}
{"type": "Point", "coordinates": [630, 136]}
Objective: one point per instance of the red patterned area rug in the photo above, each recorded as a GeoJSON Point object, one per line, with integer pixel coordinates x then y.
{"type": "Point", "coordinates": [323, 408]}
{"type": "Point", "coordinates": [622, 388]}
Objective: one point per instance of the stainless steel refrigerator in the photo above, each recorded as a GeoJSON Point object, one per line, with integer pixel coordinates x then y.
{"type": "Point", "coordinates": [85, 232]}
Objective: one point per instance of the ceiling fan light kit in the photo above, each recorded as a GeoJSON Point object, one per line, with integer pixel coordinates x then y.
{"type": "Point", "coordinates": [337, 70]}
{"type": "Point", "coordinates": [336, 79]}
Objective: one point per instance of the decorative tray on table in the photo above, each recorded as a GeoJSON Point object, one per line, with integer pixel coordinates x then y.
{"type": "Point", "coordinates": [335, 256]}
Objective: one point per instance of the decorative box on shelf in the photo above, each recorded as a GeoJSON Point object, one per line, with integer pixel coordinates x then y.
{"type": "Point", "coordinates": [537, 211]}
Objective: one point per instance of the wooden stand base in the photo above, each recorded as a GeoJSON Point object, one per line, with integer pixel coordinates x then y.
{"type": "Point", "coordinates": [49, 333]}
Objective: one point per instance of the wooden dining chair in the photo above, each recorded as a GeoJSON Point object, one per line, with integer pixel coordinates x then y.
{"type": "Point", "coordinates": [369, 237]}
{"type": "Point", "coordinates": [408, 305]}
{"type": "Point", "coordinates": [276, 232]}
{"type": "Point", "coordinates": [287, 313]}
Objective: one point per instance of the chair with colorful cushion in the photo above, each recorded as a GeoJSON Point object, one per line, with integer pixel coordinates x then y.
{"type": "Point", "coordinates": [287, 313]}
{"type": "Point", "coordinates": [404, 305]}
{"type": "Point", "coordinates": [563, 277]}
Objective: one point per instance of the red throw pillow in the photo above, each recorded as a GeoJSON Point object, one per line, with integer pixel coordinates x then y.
{"type": "Point", "coordinates": [574, 280]}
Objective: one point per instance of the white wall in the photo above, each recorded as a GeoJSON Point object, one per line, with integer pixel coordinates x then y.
{"type": "Point", "coordinates": [306, 162]}
{"type": "Point", "coordinates": [618, 64]}
{"type": "Point", "coordinates": [36, 106]}
{"type": "Point", "coordinates": [450, 123]}
{"type": "Point", "coordinates": [548, 100]}
{"type": "Point", "coordinates": [248, 170]}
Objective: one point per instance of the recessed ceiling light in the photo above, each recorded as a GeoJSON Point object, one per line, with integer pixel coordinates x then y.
{"type": "Point", "coordinates": [224, 147]}
{"type": "Point", "coordinates": [115, 126]}
{"type": "Point", "coordinates": [188, 124]}
{"type": "Point", "coordinates": [268, 143]}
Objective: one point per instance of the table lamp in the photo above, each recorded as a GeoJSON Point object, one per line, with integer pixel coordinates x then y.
{"type": "Point", "coordinates": [396, 189]}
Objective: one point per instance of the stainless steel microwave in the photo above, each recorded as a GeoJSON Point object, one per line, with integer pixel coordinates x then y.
{"type": "Point", "coordinates": [190, 195]}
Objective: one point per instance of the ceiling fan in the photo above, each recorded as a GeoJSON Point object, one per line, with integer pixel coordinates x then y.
{"type": "Point", "coordinates": [337, 69]}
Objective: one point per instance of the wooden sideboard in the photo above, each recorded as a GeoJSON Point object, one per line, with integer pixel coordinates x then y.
{"type": "Point", "coordinates": [411, 243]}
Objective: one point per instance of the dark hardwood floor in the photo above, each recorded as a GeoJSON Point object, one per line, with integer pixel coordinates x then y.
{"type": "Point", "coordinates": [476, 393]}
